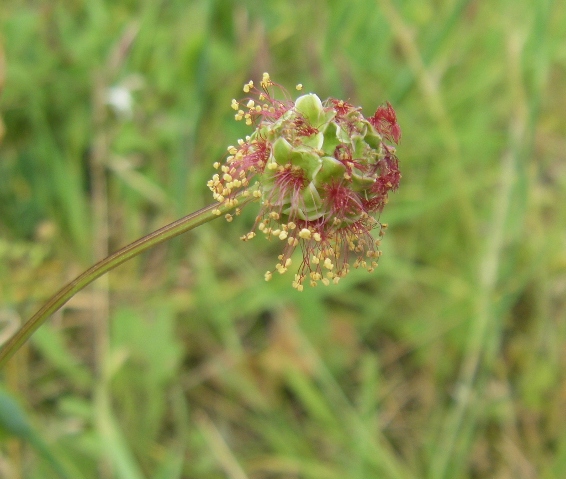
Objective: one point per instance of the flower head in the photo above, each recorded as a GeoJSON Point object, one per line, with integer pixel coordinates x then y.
{"type": "Point", "coordinates": [323, 173]}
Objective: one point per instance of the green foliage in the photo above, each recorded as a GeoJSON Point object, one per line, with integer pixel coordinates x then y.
{"type": "Point", "coordinates": [446, 362]}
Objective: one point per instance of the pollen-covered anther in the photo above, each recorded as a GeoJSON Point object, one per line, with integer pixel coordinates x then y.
{"type": "Point", "coordinates": [257, 194]}
{"type": "Point", "coordinates": [305, 234]}
{"type": "Point", "coordinates": [292, 241]}
{"type": "Point", "coordinates": [228, 217]}
{"type": "Point", "coordinates": [266, 81]}
{"type": "Point", "coordinates": [248, 86]}
{"type": "Point", "coordinates": [234, 104]}
{"type": "Point", "coordinates": [280, 268]}
{"type": "Point", "coordinates": [298, 282]}
{"type": "Point", "coordinates": [268, 276]}
{"type": "Point", "coordinates": [216, 212]}
{"type": "Point", "coordinates": [325, 281]}
{"type": "Point", "coordinates": [283, 235]}
{"type": "Point", "coordinates": [316, 237]}
{"type": "Point", "coordinates": [328, 264]}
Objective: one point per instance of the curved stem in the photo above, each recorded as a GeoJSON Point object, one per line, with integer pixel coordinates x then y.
{"type": "Point", "coordinates": [127, 252]}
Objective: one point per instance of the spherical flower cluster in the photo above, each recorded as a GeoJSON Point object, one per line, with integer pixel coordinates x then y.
{"type": "Point", "coordinates": [323, 173]}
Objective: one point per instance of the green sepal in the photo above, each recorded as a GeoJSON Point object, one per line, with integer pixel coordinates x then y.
{"type": "Point", "coordinates": [332, 170]}
{"type": "Point", "coordinates": [331, 140]}
{"type": "Point", "coordinates": [307, 160]}
{"type": "Point", "coordinates": [361, 182]}
{"type": "Point", "coordinates": [311, 108]}
{"type": "Point", "coordinates": [314, 141]}
{"type": "Point", "coordinates": [281, 151]}
{"type": "Point", "coordinates": [359, 146]}
{"type": "Point", "coordinates": [373, 138]}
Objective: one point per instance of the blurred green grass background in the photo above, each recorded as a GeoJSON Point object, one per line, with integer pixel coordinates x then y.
{"type": "Point", "coordinates": [447, 362]}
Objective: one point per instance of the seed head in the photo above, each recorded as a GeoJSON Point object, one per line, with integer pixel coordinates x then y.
{"type": "Point", "coordinates": [322, 174]}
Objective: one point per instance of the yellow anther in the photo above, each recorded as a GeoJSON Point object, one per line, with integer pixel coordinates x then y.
{"type": "Point", "coordinates": [305, 234]}
{"type": "Point", "coordinates": [250, 104]}
{"type": "Point", "coordinates": [283, 235]}
{"type": "Point", "coordinates": [299, 87]}
{"type": "Point", "coordinates": [216, 212]}
{"type": "Point", "coordinates": [234, 104]}
{"type": "Point", "coordinates": [268, 276]}
{"type": "Point", "coordinates": [228, 217]}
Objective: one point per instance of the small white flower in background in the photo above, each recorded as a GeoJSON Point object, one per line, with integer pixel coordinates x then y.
{"type": "Point", "coordinates": [119, 97]}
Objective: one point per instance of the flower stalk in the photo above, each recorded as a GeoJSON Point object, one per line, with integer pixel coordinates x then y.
{"type": "Point", "coordinates": [133, 249]}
